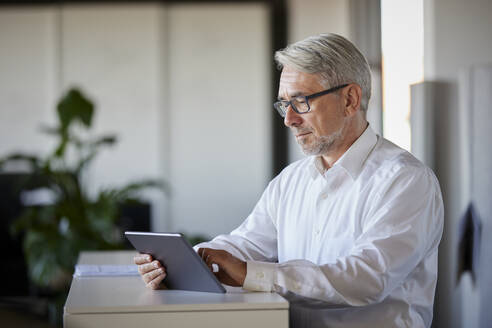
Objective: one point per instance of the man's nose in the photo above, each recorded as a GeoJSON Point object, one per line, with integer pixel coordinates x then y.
{"type": "Point", "coordinates": [292, 118]}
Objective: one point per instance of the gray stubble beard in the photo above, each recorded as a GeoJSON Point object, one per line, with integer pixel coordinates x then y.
{"type": "Point", "coordinates": [324, 144]}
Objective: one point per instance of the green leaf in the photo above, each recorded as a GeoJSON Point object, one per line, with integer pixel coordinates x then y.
{"type": "Point", "coordinates": [107, 140]}
{"type": "Point", "coordinates": [75, 107]}
{"type": "Point", "coordinates": [129, 190]}
{"type": "Point", "coordinates": [60, 150]}
{"type": "Point", "coordinates": [40, 249]}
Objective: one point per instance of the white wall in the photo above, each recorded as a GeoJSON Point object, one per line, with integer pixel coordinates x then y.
{"type": "Point", "coordinates": [220, 112]}
{"type": "Point", "coordinates": [28, 79]}
{"type": "Point", "coordinates": [312, 17]}
{"type": "Point", "coordinates": [457, 34]}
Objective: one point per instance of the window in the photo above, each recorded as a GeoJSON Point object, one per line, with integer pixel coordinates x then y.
{"type": "Point", "coordinates": [402, 29]}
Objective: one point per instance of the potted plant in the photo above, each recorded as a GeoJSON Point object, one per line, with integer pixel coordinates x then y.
{"type": "Point", "coordinates": [55, 233]}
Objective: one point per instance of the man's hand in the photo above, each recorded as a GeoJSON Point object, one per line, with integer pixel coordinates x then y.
{"type": "Point", "coordinates": [152, 272]}
{"type": "Point", "coordinates": [232, 271]}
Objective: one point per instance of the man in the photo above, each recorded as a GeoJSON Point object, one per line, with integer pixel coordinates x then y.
{"type": "Point", "coordinates": [349, 235]}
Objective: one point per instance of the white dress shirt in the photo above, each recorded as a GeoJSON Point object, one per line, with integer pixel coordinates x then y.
{"type": "Point", "coordinates": [355, 246]}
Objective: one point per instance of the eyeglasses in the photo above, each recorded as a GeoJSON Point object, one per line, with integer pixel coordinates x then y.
{"type": "Point", "coordinates": [300, 104]}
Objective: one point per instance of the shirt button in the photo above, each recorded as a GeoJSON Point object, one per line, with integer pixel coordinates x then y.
{"type": "Point", "coordinates": [260, 275]}
{"type": "Point", "coordinates": [324, 195]}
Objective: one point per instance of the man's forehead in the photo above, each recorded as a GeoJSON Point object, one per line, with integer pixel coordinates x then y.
{"type": "Point", "coordinates": [291, 74]}
{"type": "Point", "coordinates": [294, 82]}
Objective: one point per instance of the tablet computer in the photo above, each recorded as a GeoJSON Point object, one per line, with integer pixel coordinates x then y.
{"type": "Point", "coordinates": [185, 269]}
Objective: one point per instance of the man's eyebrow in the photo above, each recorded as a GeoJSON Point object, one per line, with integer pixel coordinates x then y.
{"type": "Point", "coordinates": [293, 95]}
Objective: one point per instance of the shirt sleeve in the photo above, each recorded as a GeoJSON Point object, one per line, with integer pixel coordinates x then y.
{"type": "Point", "coordinates": [256, 238]}
{"type": "Point", "coordinates": [404, 227]}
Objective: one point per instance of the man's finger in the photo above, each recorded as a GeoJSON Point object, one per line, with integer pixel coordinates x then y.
{"type": "Point", "coordinates": [204, 252]}
{"type": "Point", "coordinates": [213, 261]}
{"type": "Point", "coordinates": [149, 276]}
{"type": "Point", "coordinates": [144, 268]}
{"type": "Point", "coordinates": [209, 262]}
{"type": "Point", "coordinates": [214, 256]}
{"type": "Point", "coordinates": [155, 283]}
{"type": "Point", "coordinates": [142, 259]}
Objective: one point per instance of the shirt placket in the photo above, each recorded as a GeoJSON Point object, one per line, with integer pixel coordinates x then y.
{"type": "Point", "coordinates": [327, 189]}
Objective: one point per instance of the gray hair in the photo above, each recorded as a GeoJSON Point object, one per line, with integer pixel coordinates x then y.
{"type": "Point", "coordinates": [333, 57]}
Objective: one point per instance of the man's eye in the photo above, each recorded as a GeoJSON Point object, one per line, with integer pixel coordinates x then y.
{"type": "Point", "coordinates": [300, 100]}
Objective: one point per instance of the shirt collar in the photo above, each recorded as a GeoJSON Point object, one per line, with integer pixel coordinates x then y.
{"type": "Point", "coordinates": [352, 160]}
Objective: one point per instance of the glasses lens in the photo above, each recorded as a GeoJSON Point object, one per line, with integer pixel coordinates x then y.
{"type": "Point", "coordinates": [301, 104]}
{"type": "Point", "coordinates": [281, 108]}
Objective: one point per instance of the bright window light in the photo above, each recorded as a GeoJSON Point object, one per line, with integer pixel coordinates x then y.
{"type": "Point", "coordinates": [402, 26]}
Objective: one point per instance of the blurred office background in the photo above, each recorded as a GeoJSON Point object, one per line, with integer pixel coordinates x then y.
{"type": "Point", "coordinates": [188, 86]}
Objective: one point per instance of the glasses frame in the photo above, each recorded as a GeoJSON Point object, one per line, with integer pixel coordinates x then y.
{"type": "Point", "coordinates": [278, 104]}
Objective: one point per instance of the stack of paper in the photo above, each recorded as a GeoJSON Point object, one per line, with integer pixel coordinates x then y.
{"type": "Point", "coordinates": [88, 270]}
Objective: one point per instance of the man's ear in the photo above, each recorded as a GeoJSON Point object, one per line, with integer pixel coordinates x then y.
{"type": "Point", "coordinates": [353, 96]}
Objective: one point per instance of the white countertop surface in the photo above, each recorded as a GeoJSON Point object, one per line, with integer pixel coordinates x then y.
{"type": "Point", "coordinates": [129, 294]}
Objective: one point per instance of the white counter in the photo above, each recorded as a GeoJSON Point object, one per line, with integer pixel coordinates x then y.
{"type": "Point", "coordinates": [126, 302]}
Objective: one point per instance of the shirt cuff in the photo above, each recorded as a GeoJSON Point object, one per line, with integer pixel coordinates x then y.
{"type": "Point", "coordinates": [259, 276]}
